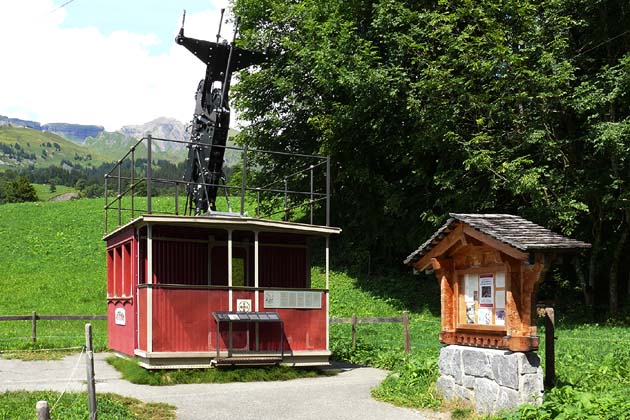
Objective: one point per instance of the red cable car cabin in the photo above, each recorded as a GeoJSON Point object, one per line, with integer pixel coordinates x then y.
{"type": "Point", "coordinates": [169, 277]}
{"type": "Point", "coordinates": [218, 288]}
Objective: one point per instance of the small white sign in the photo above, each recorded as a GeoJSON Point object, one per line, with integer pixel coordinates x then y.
{"type": "Point", "coordinates": [120, 316]}
{"type": "Point", "coordinates": [500, 279]}
{"type": "Point", "coordinates": [244, 305]}
{"type": "Point", "coordinates": [499, 299]}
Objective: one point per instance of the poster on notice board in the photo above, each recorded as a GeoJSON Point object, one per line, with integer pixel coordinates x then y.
{"type": "Point", "coordinates": [486, 284]}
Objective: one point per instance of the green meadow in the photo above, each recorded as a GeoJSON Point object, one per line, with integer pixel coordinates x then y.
{"type": "Point", "coordinates": [53, 262]}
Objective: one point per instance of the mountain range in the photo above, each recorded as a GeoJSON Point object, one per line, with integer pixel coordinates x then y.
{"type": "Point", "coordinates": [24, 143]}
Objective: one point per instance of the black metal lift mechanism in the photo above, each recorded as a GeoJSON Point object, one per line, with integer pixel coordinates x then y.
{"type": "Point", "coordinates": [211, 120]}
{"type": "Point", "coordinates": [247, 317]}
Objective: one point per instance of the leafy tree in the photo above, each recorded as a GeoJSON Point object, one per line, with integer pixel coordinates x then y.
{"type": "Point", "coordinates": [450, 106]}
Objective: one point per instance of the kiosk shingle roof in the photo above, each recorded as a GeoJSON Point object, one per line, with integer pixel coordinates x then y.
{"type": "Point", "coordinates": [512, 230]}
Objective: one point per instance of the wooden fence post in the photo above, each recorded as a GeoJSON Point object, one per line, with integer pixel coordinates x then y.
{"type": "Point", "coordinates": [43, 413]}
{"type": "Point", "coordinates": [406, 326]}
{"type": "Point", "coordinates": [91, 385]}
{"type": "Point", "coordinates": [550, 347]}
{"type": "Point", "coordinates": [34, 327]}
{"type": "Point", "coordinates": [354, 332]}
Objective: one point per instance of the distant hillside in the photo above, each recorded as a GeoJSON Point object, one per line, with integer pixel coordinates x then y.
{"type": "Point", "coordinates": [19, 122]}
{"type": "Point", "coordinates": [73, 132]}
{"type": "Point", "coordinates": [116, 144]}
{"type": "Point", "coordinates": [23, 147]}
{"type": "Point", "coordinates": [83, 144]}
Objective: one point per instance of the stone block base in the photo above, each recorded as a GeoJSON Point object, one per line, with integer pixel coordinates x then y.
{"type": "Point", "coordinates": [490, 379]}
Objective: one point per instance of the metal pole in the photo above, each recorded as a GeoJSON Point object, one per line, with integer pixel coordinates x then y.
{"type": "Point", "coordinates": [91, 384]}
{"type": "Point", "coordinates": [119, 190]}
{"type": "Point", "coordinates": [354, 332]}
{"type": "Point", "coordinates": [327, 190]}
{"type": "Point", "coordinates": [106, 204]}
{"type": "Point", "coordinates": [133, 176]}
{"type": "Point", "coordinates": [177, 198]}
{"type": "Point", "coordinates": [229, 264]}
{"type": "Point", "coordinates": [149, 173]}
{"type": "Point", "coordinates": [256, 270]}
{"type": "Point", "coordinates": [286, 199]}
{"type": "Point", "coordinates": [327, 268]}
{"type": "Point", "coordinates": [312, 203]}
{"type": "Point", "coordinates": [244, 179]}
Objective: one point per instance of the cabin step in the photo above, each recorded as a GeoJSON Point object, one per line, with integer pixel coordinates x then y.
{"type": "Point", "coordinates": [246, 360]}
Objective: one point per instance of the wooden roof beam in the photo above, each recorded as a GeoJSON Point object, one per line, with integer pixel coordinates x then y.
{"type": "Point", "coordinates": [495, 243]}
{"type": "Point", "coordinates": [453, 238]}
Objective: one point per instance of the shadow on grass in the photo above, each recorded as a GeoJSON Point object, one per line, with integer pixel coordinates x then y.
{"type": "Point", "coordinates": [134, 373]}
{"type": "Point", "coordinates": [406, 291]}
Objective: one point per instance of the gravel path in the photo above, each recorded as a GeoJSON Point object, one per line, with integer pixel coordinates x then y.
{"type": "Point", "coordinates": [344, 396]}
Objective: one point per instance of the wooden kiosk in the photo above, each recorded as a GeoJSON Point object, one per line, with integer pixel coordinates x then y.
{"type": "Point", "coordinates": [489, 267]}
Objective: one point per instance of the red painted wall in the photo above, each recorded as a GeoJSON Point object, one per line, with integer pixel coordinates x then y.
{"type": "Point", "coordinates": [121, 269]}
{"type": "Point", "coordinates": [183, 322]}
{"type": "Point", "coordinates": [121, 337]}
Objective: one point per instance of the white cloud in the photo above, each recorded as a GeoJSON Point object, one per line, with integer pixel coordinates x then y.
{"type": "Point", "coordinates": [80, 75]}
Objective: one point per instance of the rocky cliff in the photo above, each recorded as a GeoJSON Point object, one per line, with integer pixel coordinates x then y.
{"type": "Point", "coordinates": [75, 132]}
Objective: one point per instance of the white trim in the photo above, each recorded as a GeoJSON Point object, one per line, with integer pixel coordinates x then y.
{"type": "Point", "coordinates": [327, 293]}
{"type": "Point", "coordinates": [256, 275]}
{"type": "Point", "coordinates": [229, 256]}
{"type": "Point", "coordinates": [150, 292]}
{"type": "Point", "coordinates": [135, 289]}
{"type": "Point", "coordinates": [212, 354]}
{"type": "Point", "coordinates": [231, 222]}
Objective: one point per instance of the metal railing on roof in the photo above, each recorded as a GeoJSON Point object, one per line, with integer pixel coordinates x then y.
{"type": "Point", "coordinates": [298, 196]}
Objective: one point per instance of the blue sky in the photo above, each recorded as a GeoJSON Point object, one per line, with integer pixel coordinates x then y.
{"type": "Point", "coordinates": [103, 62]}
{"type": "Point", "coordinates": [162, 18]}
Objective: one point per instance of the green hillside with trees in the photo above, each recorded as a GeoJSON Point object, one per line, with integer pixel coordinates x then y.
{"type": "Point", "coordinates": [24, 147]}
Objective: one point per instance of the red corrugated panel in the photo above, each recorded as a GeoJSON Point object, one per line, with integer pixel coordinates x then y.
{"type": "Point", "coordinates": [110, 272]}
{"type": "Point", "coordinates": [180, 262]}
{"type": "Point", "coordinates": [142, 318]}
{"type": "Point", "coordinates": [304, 329]}
{"type": "Point", "coordinates": [282, 267]}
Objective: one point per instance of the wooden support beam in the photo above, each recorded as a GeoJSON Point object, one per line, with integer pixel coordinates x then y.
{"type": "Point", "coordinates": [550, 347]}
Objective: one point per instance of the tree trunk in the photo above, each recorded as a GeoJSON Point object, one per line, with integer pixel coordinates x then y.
{"type": "Point", "coordinates": [579, 272]}
{"type": "Point", "coordinates": [613, 294]}
{"type": "Point", "coordinates": [592, 265]}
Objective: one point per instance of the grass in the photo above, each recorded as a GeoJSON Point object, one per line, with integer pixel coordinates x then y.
{"type": "Point", "coordinates": [52, 261]}
{"type": "Point", "coordinates": [73, 406]}
{"type": "Point", "coordinates": [44, 194]}
{"type": "Point", "coordinates": [134, 373]}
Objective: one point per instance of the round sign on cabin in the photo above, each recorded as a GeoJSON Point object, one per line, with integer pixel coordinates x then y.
{"type": "Point", "coordinates": [120, 316]}
{"type": "Point", "coordinates": [244, 305]}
